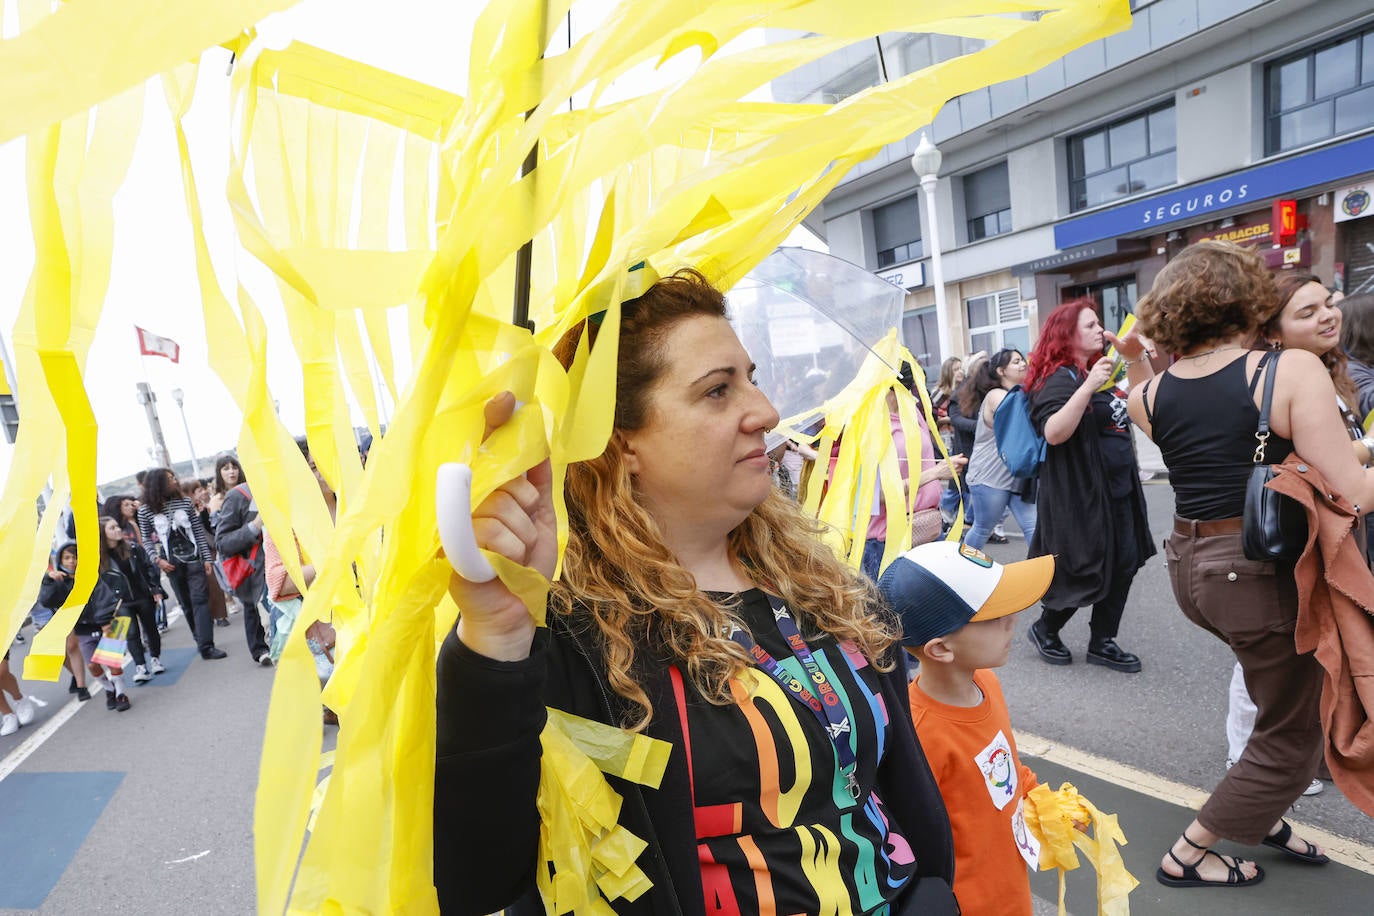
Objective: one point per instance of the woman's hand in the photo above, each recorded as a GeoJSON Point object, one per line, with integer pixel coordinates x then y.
{"type": "Point", "coordinates": [165, 565]}
{"type": "Point", "coordinates": [1097, 375]}
{"type": "Point", "coordinates": [516, 521]}
{"type": "Point", "coordinates": [944, 470]}
{"type": "Point", "coordinates": [216, 502]}
{"type": "Point", "coordinates": [1132, 346]}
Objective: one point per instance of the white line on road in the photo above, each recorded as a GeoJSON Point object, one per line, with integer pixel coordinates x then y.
{"type": "Point", "coordinates": [1356, 855]}
{"type": "Point", "coordinates": [199, 855]}
{"type": "Point", "coordinates": [35, 741]}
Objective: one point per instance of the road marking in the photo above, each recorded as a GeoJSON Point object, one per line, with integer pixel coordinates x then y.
{"type": "Point", "coordinates": [35, 741]}
{"type": "Point", "coordinates": [1349, 852]}
{"type": "Point", "coordinates": [199, 855]}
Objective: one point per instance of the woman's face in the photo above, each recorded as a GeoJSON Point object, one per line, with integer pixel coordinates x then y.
{"type": "Point", "coordinates": [1014, 372]}
{"type": "Point", "coordinates": [129, 509]}
{"type": "Point", "coordinates": [958, 374]}
{"type": "Point", "coordinates": [229, 475]}
{"type": "Point", "coordinates": [113, 534]}
{"type": "Point", "coordinates": [1089, 333]}
{"type": "Point", "coordinates": [698, 462]}
{"type": "Point", "coordinates": [1309, 321]}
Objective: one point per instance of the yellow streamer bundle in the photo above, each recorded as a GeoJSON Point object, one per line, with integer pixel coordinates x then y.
{"type": "Point", "coordinates": [1064, 820]}
{"type": "Point", "coordinates": [689, 174]}
{"type": "Point", "coordinates": [859, 419]}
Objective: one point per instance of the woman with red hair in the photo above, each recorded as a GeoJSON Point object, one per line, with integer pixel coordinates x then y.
{"type": "Point", "coordinates": [1091, 506]}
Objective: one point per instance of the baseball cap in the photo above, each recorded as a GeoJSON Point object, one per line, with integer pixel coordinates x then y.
{"type": "Point", "coordinates": [939, 587]}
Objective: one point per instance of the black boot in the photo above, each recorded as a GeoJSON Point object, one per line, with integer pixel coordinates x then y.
{"type": "Point", "coordinates": [1104, 651]}
{"type": "Point", "coordinates": [1049, 645]}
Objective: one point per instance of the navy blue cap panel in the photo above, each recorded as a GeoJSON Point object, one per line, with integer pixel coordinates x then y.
{"type": "Point", "coordinates": [924, 604]}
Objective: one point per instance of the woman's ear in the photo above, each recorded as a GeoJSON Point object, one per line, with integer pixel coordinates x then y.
{"type": "Point", "coordinates": [628, 456]}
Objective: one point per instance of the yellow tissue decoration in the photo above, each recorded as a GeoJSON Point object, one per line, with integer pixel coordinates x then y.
{"type": "Point", "coordinates": [1064, 820]}
{"type": "Point", "coordinates": [365, 197]}
{"type": "Point", "coordinates": [858, 417]}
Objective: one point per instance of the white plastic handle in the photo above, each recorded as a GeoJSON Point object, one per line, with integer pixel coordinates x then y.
{"type": "Point", "coordinates": [453, 509]}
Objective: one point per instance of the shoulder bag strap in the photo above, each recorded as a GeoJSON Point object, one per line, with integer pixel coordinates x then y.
{"type": "Point", "coordinates": [1262, 432]}
{"type": "Point", "coordinates": [1145, 400]}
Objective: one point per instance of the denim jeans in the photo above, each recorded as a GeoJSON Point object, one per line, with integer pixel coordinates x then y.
{"type": "Point", "coordinates": [952, 497]}
{"type": "Point", "coordinates": [990, 506]}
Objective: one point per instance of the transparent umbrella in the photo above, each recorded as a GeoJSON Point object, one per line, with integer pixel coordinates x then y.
{"type": "Point", "coordinates": [810, 320]}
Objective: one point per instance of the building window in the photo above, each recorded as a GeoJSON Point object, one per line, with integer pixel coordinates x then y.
{"type": "Point", "coordinates": [1123, 158]}
{"type": "Point", "coordinates": [1319, 93]}
{"type": "Point", "coordinates": [997, 320]}
{"type": "Point", "coordinates": [1115, 299]}
{"type": "Point", "coordinates": [987, 202]}
{"type": "Point", "coordinates": [897, 231]}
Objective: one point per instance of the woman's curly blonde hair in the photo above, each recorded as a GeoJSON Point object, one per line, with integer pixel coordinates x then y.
{"type": "Point", "coordinates": [1210, 291]}
{"type": "Point", "coordinates": [619, 572]}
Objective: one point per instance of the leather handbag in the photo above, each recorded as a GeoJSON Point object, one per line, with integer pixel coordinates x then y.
{"type": "Point", "coordinates": [1273, 527]}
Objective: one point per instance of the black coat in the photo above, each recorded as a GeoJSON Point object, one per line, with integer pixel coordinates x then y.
{"type": "Point", "coordinates": [490, 715]}
{"type": "Point", "coordinates": [1075, 507]}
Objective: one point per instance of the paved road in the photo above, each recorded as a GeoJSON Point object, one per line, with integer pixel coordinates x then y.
{"type": "Point", "coordinates": [150, 811]}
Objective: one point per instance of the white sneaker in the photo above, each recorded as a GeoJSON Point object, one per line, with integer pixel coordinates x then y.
{"type": "Point", "coordinates": [155, 665]}
{"type": "Point", "coordinates": [141, 675]}
{"type": "Point", "coordinates": [1315, 788]}
{"type": "Point", "coordinates": [9, 725]}
{"type": "Point", "coordinates": [24, 710]}
{"type": "Point", "coordinates": [997, 530]}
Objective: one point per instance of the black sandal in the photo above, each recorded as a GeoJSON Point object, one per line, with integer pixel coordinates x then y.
{"type": "Point", "coordinates": [1280, 840]}
{"type": "Point", "coordinates": [1190, 877]}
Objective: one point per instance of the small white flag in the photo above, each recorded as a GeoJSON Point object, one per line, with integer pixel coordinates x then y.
{"type": "Point", "coordinates": [152, 345]}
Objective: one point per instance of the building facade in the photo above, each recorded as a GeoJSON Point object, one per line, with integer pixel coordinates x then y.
{"type": "Point", "coordinates": [1085, 177]}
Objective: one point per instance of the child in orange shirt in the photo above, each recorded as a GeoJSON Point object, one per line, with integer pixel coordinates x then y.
{"type": "Point", "coordinates": [956, 605]}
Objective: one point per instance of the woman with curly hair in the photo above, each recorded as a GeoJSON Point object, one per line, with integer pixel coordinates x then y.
{"type": "Point", "coordinates": [1206, 306]}
{"type": "Point", "coordinates": [1089, 482]}
{"type": "Point", "coordinates": [699, 606]}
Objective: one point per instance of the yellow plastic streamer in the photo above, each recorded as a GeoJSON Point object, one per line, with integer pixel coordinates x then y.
{"type": "Point", "coordinates": [859, 419]}
{"type": "Point", "coordinates": [1064, 820]}
{"type": "Point", "coordinates": [1119, 366]}
{"type": "Point", "coordinates": [687, 174]}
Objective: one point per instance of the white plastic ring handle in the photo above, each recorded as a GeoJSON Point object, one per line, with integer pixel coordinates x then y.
{"type": "Point", "coordinates": [453, 509]}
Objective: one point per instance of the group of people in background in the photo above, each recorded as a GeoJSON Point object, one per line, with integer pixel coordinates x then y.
{"type": "Point", "coordinates": [200, 541]}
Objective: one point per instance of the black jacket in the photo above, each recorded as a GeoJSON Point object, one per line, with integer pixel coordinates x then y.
{"type": "Point", "coordinates": [1075, 507]}
{"type": "Point", "coordinates": [965, 428]}
{"type": "Point", "coordinates": [486, 826]}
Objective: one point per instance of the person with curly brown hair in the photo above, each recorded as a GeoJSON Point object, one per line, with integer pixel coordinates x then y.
{"type": "Point", "coordinates": [1206, 306]}
{"type": "Point", "coordinates": [697, 605]}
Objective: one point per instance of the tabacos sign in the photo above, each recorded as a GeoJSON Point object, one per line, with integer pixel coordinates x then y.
{"type": "Point", "coordinates": [1197, 203]}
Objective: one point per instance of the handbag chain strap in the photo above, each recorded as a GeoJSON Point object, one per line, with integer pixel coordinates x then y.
{"type": "Point", "coordinates": [1262, 432]}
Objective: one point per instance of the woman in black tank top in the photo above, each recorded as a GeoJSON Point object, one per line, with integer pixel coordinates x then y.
{"type": "Point", "coordinates": [1207, 306]}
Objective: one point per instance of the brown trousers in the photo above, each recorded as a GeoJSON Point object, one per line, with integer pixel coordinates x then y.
{"type": "Point", "coordinates": [1253, 608]}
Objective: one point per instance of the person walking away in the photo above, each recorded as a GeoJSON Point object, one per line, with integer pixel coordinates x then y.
{"type": "Point", "coordinates": [1090, 507]}
{"type": "Point", "coordinates": [238, 537]}
{"type": "Point", "coordinates": [991, 485]}
{"type": "Point", "coordinates": [683, 564]}
{"type": "Point", "coordinates": [144, 588]}
{"type": "Point", "coordinates": [96, 621]}
{"type": "Point", "coordinates": [216, 587]}
{"type": "Point", "coordinates": [176, 542]}
{"type": "Point", "coordinates": [957, 606]}
{"type": "Point", "coordinates": [1206, 306]}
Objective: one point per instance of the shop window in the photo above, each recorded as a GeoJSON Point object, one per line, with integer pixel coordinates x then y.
{"type": "Point", "coordinates": [1123, 158]}
{"type": "Point", "coordinates": [1115, 299]}
{"type": "Point", "coordinates": [897, 231]}
{"type": "Point", "coordinates": [987, 202]}
{"type": "Point", "coordinates": [1319, 93]}
{"type": "Point", "coordinates": [997, 320]}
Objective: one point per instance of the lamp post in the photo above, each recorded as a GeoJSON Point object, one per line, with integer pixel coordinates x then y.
{"type": "Point", "coordinates": [926, 163]}
{"type": "Point", "coordinates": [179, 396]}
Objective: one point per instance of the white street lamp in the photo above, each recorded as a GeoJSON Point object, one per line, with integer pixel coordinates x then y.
{"type": "Point", "coordinates": [926, 163]}
{"type": "Point", "coordinates": [178, 395]}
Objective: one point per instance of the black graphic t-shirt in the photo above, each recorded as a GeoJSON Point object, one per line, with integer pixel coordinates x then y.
{"type": "Point", "coordinates": [777, 829]}
{"type": "Point", "coordinates": [1114, 428]}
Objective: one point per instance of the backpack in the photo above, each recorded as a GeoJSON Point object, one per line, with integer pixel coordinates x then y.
{"type": "Point", "coordinates": [1020, 447]}
{"type": "Point", "coordinates": [181, 548]}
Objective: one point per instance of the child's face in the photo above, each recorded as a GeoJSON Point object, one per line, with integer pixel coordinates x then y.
{"type": "Point", "coordinates": [983, 644]}
{"type": "Point", "coordinates": [67, 559]}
